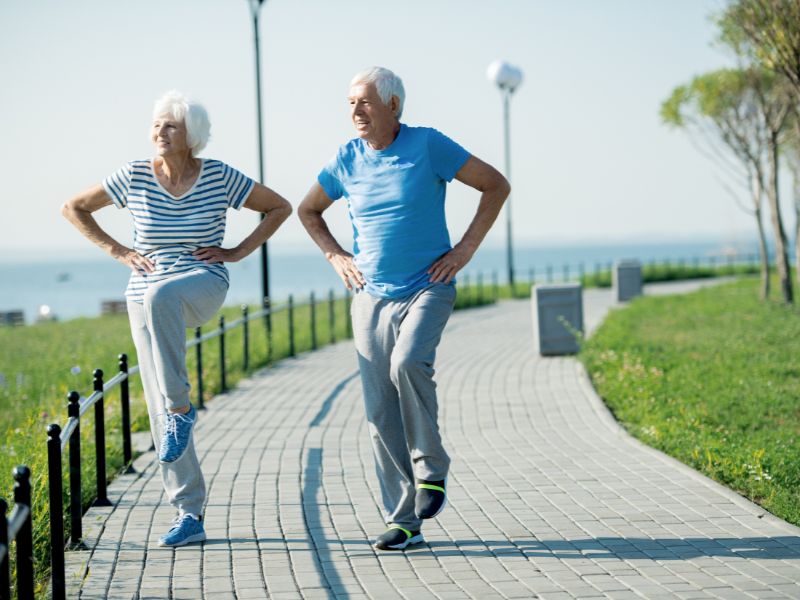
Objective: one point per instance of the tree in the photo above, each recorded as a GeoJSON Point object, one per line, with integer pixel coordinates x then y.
{"type": "Point", "coordinates": [767, 31]}
{"type": "Point", "coordinates": [791, 152]}
{"type": "Point", "coordinates": [738, 115]}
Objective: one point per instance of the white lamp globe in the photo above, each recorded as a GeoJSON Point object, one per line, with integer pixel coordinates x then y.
{"type": "Point", "coordinates": [504, 75]}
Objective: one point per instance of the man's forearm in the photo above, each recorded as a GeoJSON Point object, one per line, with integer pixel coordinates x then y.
{"type": "Point", "coordinates": [317, 228]}
{"type": "Point", "coordinates": [488, 209]}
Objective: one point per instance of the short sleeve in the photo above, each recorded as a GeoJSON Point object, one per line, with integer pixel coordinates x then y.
{"type": "Point", "coordinates": [237, 187]}
{"type": "Point", "coordinates": [117, 185]}
{"type": "Point", "coordinates": [330, 183]}
{"type": "Point", "coordinates": [447, 157]}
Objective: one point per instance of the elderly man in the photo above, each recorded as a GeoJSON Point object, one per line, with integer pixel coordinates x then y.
{"type": "Point", "coordinates": [402, 270]}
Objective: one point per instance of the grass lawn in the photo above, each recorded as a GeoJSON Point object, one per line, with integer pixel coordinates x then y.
{"type": "Point", "coordinates": [713, 379]}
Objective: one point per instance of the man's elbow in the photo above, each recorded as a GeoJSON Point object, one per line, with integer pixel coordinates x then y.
{"type": "Point", "coordinates": [505, 187]}
{"type": "Point", "coordinates": [307, 214]}
{"type": "Point", "coordinates": [500, 187]}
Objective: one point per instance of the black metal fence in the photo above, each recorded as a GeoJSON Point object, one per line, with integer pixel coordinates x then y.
{"type": "Point", "coordinates": [17, 527]}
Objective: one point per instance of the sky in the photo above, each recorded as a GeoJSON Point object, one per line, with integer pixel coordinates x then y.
{"type": "Point", "coordinates": [590, 159]}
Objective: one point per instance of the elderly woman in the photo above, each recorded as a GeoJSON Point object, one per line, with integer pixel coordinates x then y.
{"type": "Point", "coordinates": [178, 202]}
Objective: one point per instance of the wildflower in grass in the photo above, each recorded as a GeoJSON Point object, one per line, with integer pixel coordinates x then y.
{"type": "Point", "coordinates": [75, 370]}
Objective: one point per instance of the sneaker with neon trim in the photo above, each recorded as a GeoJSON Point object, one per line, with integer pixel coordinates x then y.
{"type": "Point", "coordinates": [431, 498]}
{"type": "Point", "coordinates": [398, 538]}
{"type": "Point", "coordinates": [177, 432]}
{"type": "Point", "coordinates": [185, 530]}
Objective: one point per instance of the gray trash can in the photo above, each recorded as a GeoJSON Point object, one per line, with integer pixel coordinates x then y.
{"type": "Point", "coordinates": [557, 317]}
{"type": "Point", "coordinates": [627, 279]}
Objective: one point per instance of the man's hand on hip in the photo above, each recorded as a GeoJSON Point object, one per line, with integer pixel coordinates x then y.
{"type": "Point", "coordinates": [344, 266]}
{"type": "Point", "coordinates": [444, 269]}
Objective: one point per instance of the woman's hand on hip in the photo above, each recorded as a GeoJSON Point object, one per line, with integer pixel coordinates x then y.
{"type": "Point", "coordinates": [136, 262]}
{"type": "Point", "coordinates": [215, 254]}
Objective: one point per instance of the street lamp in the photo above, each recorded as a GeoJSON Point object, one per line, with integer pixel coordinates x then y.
{"type": "Point", "coordinates": [255, 10]}
{"type": "Point", "coordinates": [506, 77]}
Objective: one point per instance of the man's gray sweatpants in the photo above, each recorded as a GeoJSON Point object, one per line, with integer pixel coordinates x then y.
{"type": "Point", "coordinates": [396, 342]}
{"type": "Point", "coordinates": [158, 325]}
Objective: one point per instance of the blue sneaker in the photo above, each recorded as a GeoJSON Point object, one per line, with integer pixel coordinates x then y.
{"type": "Point", "coordinates": [186, 529]}
{"type": "Point", "coordinates": [177, 432]}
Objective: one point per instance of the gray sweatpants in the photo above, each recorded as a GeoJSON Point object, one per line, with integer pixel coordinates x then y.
{"type": "Point", "coordinates": [396, 343]}
{"type": "Point", "coordinates": [158, 326]}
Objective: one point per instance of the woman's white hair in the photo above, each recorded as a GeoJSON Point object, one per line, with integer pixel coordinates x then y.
{"type": "Point", "coordinates": [193, 114]}
{"type": "Point", "coordinates": [387, 83]}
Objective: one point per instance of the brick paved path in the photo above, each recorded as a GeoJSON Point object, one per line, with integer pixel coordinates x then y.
{"type": "Point", "coordinates": [548, 497]}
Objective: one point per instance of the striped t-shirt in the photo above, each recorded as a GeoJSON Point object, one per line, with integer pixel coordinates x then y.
{"type": "Point", "coordinates": [167, 229]}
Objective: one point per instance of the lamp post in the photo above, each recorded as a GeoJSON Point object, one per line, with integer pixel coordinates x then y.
{"type": "Point", "coordinates": [506, 77]}
{"type": "Point", "coordinates": [255, 11]}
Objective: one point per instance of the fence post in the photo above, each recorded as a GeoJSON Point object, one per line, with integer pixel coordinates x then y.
{"type": "Point", "coordinates": [480, 287]}
{"type": "Point", "coordinates": [198, 352]}
{"type": "Point", "coordinates": [76, 527]}
{"type": "Point", "coordinates": [22, 496]}
{"type": "Point", "coordinates": [125, 402]}
{"type": "Point", "coordinates": [467, 295]}
{"type": "Point", "coordinates": [566, 273]}
{"type": "Point", "coordinates": [332, 315]}
{"type": "Point", "coordinates": [268, 326]}
{"type": "Point", "coordinates": [100, 441]}
{"type": "Point", "coordinates": [56, 489]}
{"type": "Point", "coordinates": [5, 578]}
{"type": "Point", "coordinates": [495, 287]}
{"type": "Point", "coordinates": [222, 383]}
{"type": "Point", "coordinates": [549, 273]}
{"type": "Point", "coordinates": [291, 325]}
{"type": "Point", "coordinates": [246, 339]}
{"type": "Point", "coordinates": [312, 307]}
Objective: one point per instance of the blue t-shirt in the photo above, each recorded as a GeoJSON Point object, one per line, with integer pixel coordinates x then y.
{"type": "Point", "coordinates": [395, 199]}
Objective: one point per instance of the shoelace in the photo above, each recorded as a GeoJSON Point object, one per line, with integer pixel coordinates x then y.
{"type": "Point", "coordinates": [171, 426]}
{"type": "Point", "coordinates": [177, 520]}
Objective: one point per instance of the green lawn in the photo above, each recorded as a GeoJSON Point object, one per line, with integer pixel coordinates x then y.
{"type": "Point", "coordinates": [711, 378]}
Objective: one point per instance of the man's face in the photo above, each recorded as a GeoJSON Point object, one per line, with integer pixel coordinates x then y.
{"type": "Point", "coordinates": [372, 118]}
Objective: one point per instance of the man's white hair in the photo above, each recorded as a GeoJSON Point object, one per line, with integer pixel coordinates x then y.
{"type": "Point", "coordinates": [193, 114]}
{"type": "Point", "coordinates": [387, 83]}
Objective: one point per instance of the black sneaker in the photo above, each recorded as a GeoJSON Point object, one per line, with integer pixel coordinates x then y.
{"type": "Point", "coordinates": [430, 499]}
{"type": "Point", "coordinates": [398, 538]}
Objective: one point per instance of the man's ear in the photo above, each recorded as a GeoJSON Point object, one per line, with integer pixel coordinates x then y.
{"type": "Point", "coordinates": [394, 105]}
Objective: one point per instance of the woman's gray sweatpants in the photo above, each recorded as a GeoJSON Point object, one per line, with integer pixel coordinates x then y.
{"type": "Point", "coordinates": [396, 342]}
{"type": "Point", "coordinates": [158, 325]}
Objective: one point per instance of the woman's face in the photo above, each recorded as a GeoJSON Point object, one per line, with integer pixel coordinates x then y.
{"type": "Point", "coordinates": [169, 136]}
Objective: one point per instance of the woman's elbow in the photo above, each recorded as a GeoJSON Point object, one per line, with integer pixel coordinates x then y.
{"type": "Point", "coordinates": [284, 211]}
{"type": "Point", "coordinates": [68, 209]}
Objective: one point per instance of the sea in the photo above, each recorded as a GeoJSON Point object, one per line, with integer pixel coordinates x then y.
{"type": "Point", "coordinates": [66, 289]}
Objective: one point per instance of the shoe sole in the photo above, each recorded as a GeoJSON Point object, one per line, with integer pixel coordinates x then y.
{"type": "Point", "coordinates": [417, 539]}
{"type": "Point", "coordinates": [197, 537]}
